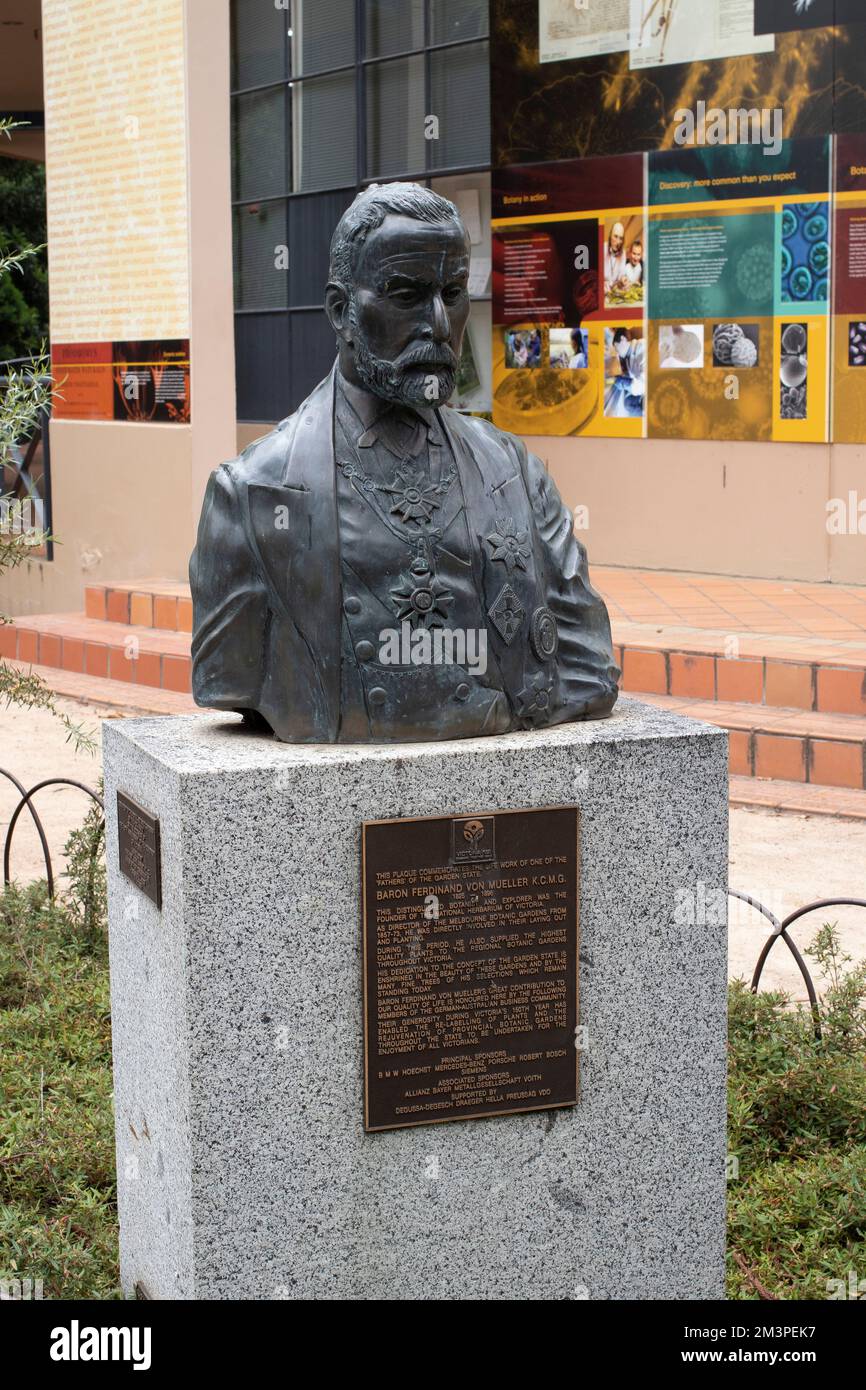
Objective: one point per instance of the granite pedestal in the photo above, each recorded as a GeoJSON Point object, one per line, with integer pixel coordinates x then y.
{"type": "Point", "coordinates": [244, 1170]}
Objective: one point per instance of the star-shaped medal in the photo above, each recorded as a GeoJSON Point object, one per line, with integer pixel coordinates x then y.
{"type": "Point", "coordinates": [422, 598]}
{"type": "Point", "coordinates": [533, 701]}
{"type": "Point", "coordinates": [415, 498]}
{"type": "Point", "coordinates": [509, 545]}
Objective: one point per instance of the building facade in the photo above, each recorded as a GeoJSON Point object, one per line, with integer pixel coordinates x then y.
{"type": "Point", "coordinates": [198, 155]}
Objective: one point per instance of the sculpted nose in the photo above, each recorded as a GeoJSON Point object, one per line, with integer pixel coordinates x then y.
{"type": "Point", "coordinates": [441, 323]}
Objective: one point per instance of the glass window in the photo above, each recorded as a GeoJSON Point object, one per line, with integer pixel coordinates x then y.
{"type": "Point", "coordinates": [393, 26]}
{"type": "Point", "coordinates": [259, 145]}
{"type": "Point", "coordinates": [296, 149]}
{"type": "Point", "coordinates": [395, 117]}
{"type": "Point", "coordinates": [322, 34]}
{"type": "Point", "coordinates": [258, 43]}
{"type": "Point", "coordinates": [460, 96]}
{"type": "Point", "coordinates": [324, 132]}
{"type": "Point", "coordinates": [452, 20]}
{"type": "Point", "coordinates": [260, 259]}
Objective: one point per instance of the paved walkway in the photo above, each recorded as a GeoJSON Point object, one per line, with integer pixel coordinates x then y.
{"type": "Point", "coordinates": [829, 613]}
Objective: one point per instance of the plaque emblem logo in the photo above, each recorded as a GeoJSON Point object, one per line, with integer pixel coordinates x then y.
{"type": "Point", "coordinates": [473, 839]}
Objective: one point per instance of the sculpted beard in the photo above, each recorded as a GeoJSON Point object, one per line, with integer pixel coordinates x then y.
{"type": "Point", "coordinates": [406, 379]}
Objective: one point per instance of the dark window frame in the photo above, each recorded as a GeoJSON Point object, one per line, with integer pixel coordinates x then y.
{"type": "Point", "coordinates": [360, 66]}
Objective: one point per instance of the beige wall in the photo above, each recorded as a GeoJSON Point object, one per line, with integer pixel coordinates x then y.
{"type": "Point", "coordinates": [848, 473]}
{"type": "Point", "coordinates": [750, 509]}
{"type": "Point", "coordinates": [122, 506]}
{"type": "Point", "coordinates": [732, 508]}
{"type": "Point", "coordinates": [212, 365]}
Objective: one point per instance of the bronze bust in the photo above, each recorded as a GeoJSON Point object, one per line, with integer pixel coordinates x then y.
{"type": "Point", "coordinates": [379, 567]}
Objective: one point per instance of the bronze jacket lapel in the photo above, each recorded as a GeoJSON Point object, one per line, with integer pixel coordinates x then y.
{"type": "Point", "coordinates": [293, 532]}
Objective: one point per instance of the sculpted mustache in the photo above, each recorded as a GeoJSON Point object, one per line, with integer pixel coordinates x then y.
{"type": "Point", "coordinates": [428, 356]}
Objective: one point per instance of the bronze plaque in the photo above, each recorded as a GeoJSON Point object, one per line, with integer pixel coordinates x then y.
{"type": "Point", "coordinates": [138, 847]}
{"type": "Point", "coordinates": [470, 965]}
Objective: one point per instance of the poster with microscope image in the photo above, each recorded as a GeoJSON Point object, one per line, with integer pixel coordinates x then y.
{"type": "Point", "coordinates": [664, 32]}
{"type": "Point", "coordinates": [736, 344]}
{"type": "Point", "coordinates": [794, 372]}
{"type": "Point", "coordinates": [571, 29]}
{"type": "Point", "coordinates": [739, 252]}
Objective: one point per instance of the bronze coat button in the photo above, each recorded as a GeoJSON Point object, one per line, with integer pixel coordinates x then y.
{"type": "Point", "coordinates": [377, 696]}
{"type": "Point", "coordinates": [462, 692]}
{"type": "Point", "coordinates": [365, 651]}
{"type": "Point", "coordinates": [352, 605]}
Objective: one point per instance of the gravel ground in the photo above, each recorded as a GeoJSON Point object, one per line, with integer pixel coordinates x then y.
{"type": "Point", "coordinates": [785, 861]}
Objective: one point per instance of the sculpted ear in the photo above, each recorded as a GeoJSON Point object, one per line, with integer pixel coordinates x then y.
{"type": "Point", "coordinates": [337, 309]}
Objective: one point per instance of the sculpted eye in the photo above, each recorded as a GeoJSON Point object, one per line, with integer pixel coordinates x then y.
{"type": "Point", "coordinates": [404, 294]}
{"type": "Point", "coordinates": [453, 293]}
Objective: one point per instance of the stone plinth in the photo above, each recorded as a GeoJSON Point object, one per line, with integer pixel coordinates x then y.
{"type": "Point", "coordinates": [244, 1170]}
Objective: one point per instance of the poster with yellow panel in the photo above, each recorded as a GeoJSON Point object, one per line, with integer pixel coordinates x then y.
{"type": "Point", "coordinates": [739, 292]}
{"type": "Point", "coordinates": [569, 266]}
{"type": "Point", "coordinates": [849, 293]}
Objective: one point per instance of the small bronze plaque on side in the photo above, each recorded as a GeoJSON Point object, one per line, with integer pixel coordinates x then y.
{"type": "Point", "coordinates": [470, 965]}
{"type": "Point", "coordinates": [138, 847]}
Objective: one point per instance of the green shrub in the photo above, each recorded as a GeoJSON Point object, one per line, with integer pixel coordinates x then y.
{"type": "Point", "coordinates": [58, 1219]}
{"type": "Point", "coordinates": [797, 1127]}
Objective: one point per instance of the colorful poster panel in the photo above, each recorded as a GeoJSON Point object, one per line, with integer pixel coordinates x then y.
{"type": "Point", "coordinates": [849, 300]}
{"type": "Point", "coordinates": [738, 252]}
{"type": "Point", "coordinates": [568, 299]}
{"type": "Point", "coordinates": [577, 96]}
{"type": "Point", "coordinates": [142, 382]}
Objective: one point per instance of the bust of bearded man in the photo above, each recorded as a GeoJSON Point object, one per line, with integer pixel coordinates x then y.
{"type": "Point", "coordinates": [379, 567]}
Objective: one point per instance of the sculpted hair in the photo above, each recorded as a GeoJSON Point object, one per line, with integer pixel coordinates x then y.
{"type": "Point", "coordinates": [369, 211]}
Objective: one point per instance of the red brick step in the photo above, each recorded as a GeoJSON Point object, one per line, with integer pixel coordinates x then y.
{"type": "Point", "coordinates": [787, 745]}
{"type": "Point", "coordinates": [141, 603]}
{"type": "Point", "coordinates": [74, 642]}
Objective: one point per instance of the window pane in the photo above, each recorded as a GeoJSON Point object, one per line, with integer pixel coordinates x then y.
{"type": "Point", "coordinates": [393, 26]}
{"type": "Point", "coordinates": [323, 131]}
{"type": "Point", "coordinates": [312, 350]}
{"type": "Point", "coordinates": [262, 366]}
{"type": "Point", "coordinates": [259, 144]}
{"type": "Point", "coordinates": [312, 221]}
{"type": "Point", "coordinates": [395, 117]}
{"type": "Point", "coordinates": [460, 96]}
{"type": "Point", "coordinates": [260, 241]}
{"type": "Point", "coordinates": [323, 34]}
{"type": "Point", "coordinates": [451, 20]}
{"type": "Point", "coordinates": [258, 43]}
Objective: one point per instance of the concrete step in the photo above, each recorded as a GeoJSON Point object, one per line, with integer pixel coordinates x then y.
{"type": "Point", "coordinates": [101, 649]}
{"type": "Point", "coordinates": [784, 672]}
{"type": "Point", "coordinates": [788, 745]}
{"type": "Point", "coordinates": [154, 603]}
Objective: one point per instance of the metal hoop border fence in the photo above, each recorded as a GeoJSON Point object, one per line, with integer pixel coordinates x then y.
{"type": "Point", "coordinates": [27, 801]}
